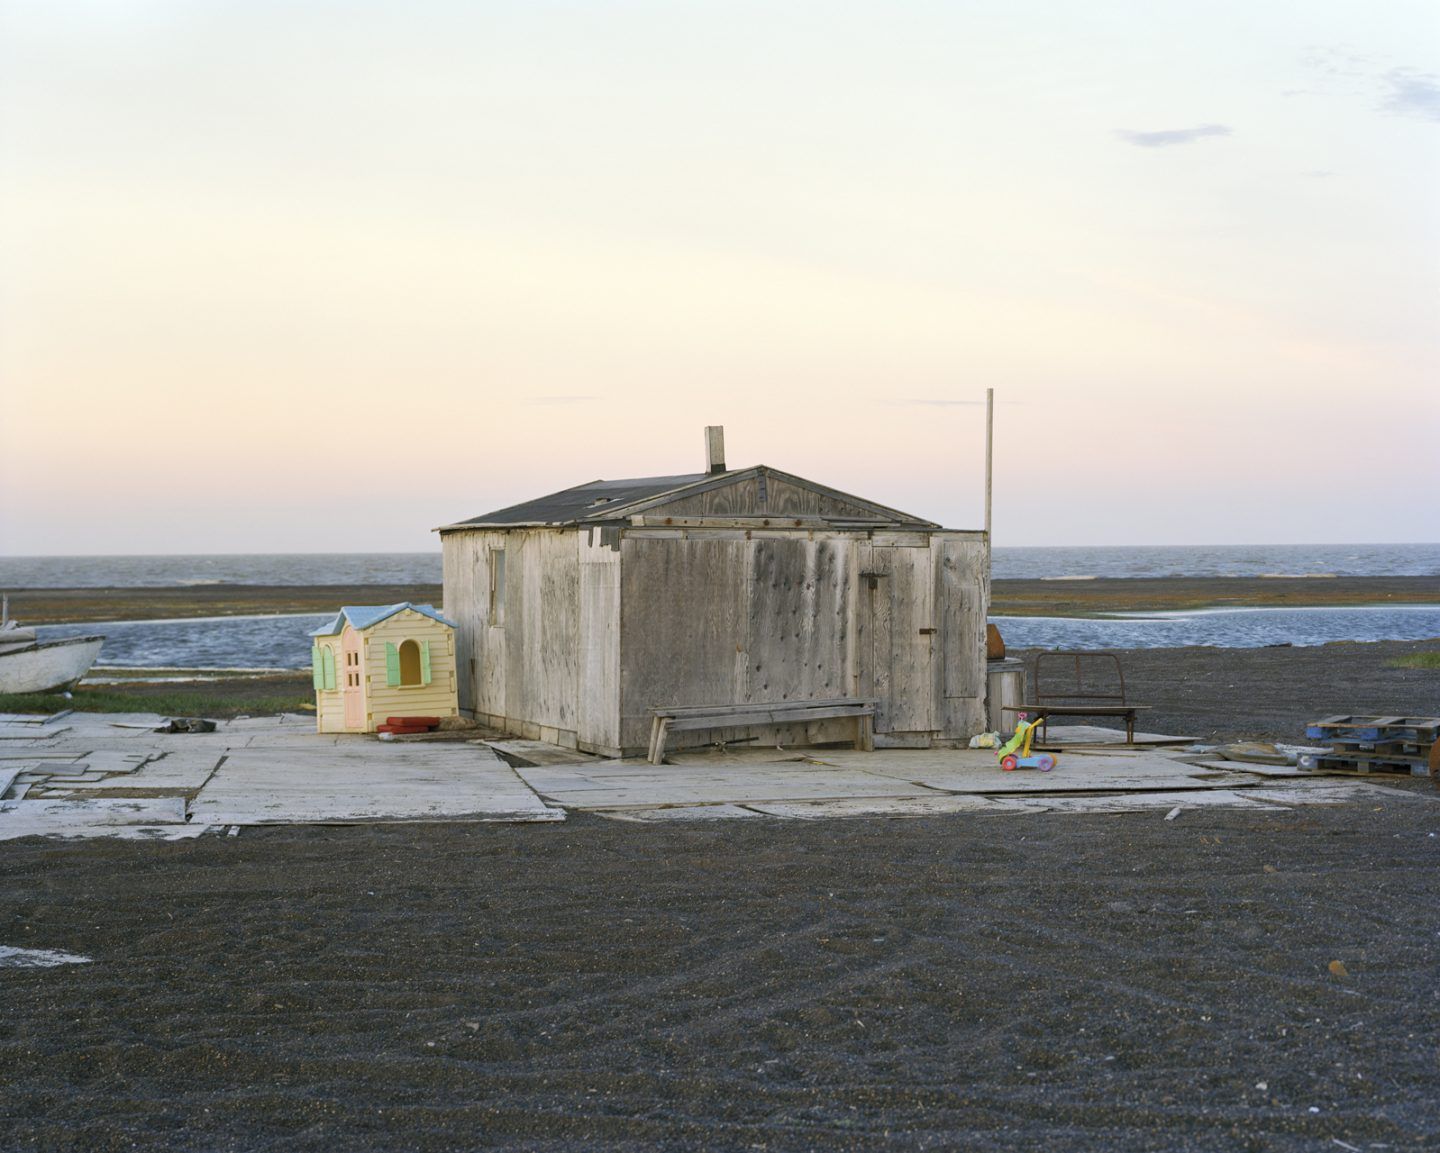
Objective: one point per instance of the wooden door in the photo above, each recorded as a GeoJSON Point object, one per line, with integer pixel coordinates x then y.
{"type": "Point", "coordinates": [895, 641]}
{"type": "Point", "coordinates": [352, 686]}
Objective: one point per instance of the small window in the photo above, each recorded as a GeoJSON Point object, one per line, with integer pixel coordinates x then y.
{"type": "Point", "coordinates": [497, 586]}
{"type": "Point", "coordinates": [410, 663]}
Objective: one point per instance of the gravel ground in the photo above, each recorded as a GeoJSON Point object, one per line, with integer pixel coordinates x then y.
{"type": "Point", "coordinates": [1075, 982]}
{"type": "Point", "coordinates": [1001, 982]}
{"type": "Point", "coordinates": [1271, 694]}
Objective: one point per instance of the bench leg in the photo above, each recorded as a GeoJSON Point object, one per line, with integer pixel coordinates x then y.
{"type": "Point", "coordinates": [657, 741]}
{"type": "Point", "coordinates": [865, 734]}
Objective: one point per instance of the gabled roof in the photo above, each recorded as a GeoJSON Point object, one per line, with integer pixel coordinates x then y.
{"type": "Point", "coordinates": [362, 617]}
{"type": "Point", "coordinates": [596, 500]}
{"type": "Point", "coordinates": [609, 501]}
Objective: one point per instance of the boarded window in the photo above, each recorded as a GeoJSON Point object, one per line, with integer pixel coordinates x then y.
{"type": "Point", "coordinates": [410, 671]}
{"type": "Point", "coordinates": [497, 586]}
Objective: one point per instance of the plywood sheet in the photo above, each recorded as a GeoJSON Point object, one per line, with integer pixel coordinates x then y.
{"type": "Point", "coordinates": [616, 784]}
{"type": "Point", "coordinates": [1073, 736]}
{"type": "Point", "coordinates": [71, 817]}
{"type": "Point", "coordinates": [369, 782]}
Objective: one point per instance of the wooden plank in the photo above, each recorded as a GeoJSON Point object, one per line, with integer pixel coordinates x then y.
{"type": "Point", "coordinates": [960, 610]}
{"type": "Point", "coordinates": [597, 719]}
{"type": "Point", "coordinates": [797, 627]}
{"type": "Point", "coordinates": [701, 710]}
{"type": "Point", "coordinates": [682, 626]}
{"type": "Point", "coordinates": [776, 716]}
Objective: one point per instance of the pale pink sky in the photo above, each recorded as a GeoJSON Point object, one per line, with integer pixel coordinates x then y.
{"type": "Point", "coordinates": [315, 277]}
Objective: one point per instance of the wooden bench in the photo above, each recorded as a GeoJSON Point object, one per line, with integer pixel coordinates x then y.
{"type": "Point", "coordinates": [1086, 693]}
{"type": "Point", "coordinates": [689, 718]}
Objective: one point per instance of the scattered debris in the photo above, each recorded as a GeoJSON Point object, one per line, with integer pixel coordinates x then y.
{"type": "Point", "coordinates": [186, 725]}
{"type": "Point", "coordinates": [1253, 753]}
{"type": "Point", "coordinates": [1337, 969]}
{"type": "Point", "coordinates": [1173, 813]}
{"type": "Point", "coordinates": [12, 957]}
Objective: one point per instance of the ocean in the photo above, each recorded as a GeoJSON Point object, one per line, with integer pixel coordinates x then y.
{"type": "Point", "coordinates": [1008, 564]}
{"type": "Point", "coordinates": [282, 642]}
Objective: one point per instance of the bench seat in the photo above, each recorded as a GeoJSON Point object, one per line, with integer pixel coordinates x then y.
{"type": "Point", "coordinates": [1043, 713]}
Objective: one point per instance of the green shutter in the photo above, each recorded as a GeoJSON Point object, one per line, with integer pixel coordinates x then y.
{"type": "Point", "coordinates": [329, 667]}
{"type": "Point", "coordinates": [392, 664]}
{"type": "Point", "coordinates": [424, 662]}
{"type": "Point", "coordinates": [317, 667]}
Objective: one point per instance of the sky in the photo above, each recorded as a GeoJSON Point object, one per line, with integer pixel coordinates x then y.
{"type": "Point", "coordinates": [320, 276]}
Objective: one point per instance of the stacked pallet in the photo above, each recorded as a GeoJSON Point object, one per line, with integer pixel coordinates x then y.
{"type": "Point", "coordinates": [1376, 745]}
{"type": "Point", "coordinates": [408, 726]}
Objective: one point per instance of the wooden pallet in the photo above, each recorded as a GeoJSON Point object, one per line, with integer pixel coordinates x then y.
{"type": "Point", "coordinates": [1421, 730]}
{"type": "Point", "coordinates": [1365, 744]}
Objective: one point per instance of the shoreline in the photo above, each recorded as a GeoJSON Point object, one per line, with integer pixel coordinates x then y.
{"type": "Point", "coordinates": [1203, 692]}
{"type": "Point", "coordinates": [1029, 598]}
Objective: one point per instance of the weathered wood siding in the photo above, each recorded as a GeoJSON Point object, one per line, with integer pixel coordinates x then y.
{"type": "Point", "coordinates": [598, 722]}
{"type": "Point", "coordinates": [761, 496]}
{"type": "Point", "coordinates": [479, 646]}
{"type": "Point", "coordinates": [962, 603]}
{"type": "Point", "coordinates": [711, 618]}
{"type": "Point", "coordinates": [549, 668]}
{"type": "Point", "coordinates": [602, 625]}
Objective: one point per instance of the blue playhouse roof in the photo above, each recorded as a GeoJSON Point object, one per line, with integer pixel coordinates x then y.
{"type": "Point", "coordinates": [362, 617]}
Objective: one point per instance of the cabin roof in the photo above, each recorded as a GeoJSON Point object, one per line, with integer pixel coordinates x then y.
{"type": "Point", "coordinates": [594, 500]}
{"type": "Point", "coordinates": [362, 617]}
{"type": "Point", "coordinates": [607, 501]}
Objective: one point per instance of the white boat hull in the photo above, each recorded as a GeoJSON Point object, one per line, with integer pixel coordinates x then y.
{"type": "Point", "coordinates": [48, 665]}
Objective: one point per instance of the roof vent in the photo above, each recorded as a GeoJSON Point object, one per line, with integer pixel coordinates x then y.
{"type": "Point", "coordinates": [715, 448]}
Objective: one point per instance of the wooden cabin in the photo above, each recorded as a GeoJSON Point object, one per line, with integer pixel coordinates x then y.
{"type": "Point", "coordinates": [373, 662]}
{"type": "Point", "coordinates": [579, 612]}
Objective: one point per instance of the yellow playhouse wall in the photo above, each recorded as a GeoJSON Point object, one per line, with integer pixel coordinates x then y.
{"type": "Point", "coordinates": [329, 703]}
{"type": "Point", "coordinates": [437, 699]}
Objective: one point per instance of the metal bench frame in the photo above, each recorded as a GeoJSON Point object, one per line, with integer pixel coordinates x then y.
{"type": "Point", "coordinates": [1079, 703]}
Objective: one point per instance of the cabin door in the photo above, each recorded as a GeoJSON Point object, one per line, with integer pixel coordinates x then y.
{"type": "Point", "coordinates": [352, 686]}
{"type": "Point", "coordinates": [894, 643]}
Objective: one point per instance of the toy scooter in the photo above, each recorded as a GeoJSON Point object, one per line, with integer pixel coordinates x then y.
{"type": "Point", "coordinates": [1015, 753]}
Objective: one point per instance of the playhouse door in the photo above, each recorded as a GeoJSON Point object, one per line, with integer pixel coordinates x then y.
{"type": "Point", "coordinates": [353, 686]}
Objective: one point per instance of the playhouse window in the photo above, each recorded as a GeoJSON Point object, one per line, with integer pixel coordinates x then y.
{"type": "Point", "coordinates": [410, 663]}
{"type": "Point", "coordinates": [497, 586]}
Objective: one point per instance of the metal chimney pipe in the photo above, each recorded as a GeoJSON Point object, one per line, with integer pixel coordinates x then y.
{"type": "Point", "coordinates": [715, 448]}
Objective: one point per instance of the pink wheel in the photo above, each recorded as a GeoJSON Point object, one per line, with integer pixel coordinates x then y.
{"type": "Point", "coordinates": [1010, 763]}
{"type": "Point", "coordinates": [1046, 763]}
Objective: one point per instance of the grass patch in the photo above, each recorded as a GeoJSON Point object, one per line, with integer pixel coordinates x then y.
{"type": "Point", "coordinates": [231, 697]}
{"type": "Point", "coordinates": [1416, 661]}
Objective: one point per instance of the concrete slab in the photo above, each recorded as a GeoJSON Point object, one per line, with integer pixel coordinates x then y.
{"type": "Point", "coordinates": [631, 784]}
{"type": "Point", "coordinates": [934, 806]}
{"type": "Point", "coordinates": [366, 781]}
{"type": "Point", "coordinates": [1254, 770]}
{"type": "Point", "coordinates": [1081, 736]}
{"type": "Point", "coordinates": [27, 732]}
{"type": "Point", "coordinates": [977, 771]}
{"type": "Point", "coordinates": [78, 818]}
{"type": "Point", "coordinates": [538, 753]}
{"type": "Point", "coordinates": [181, 771]}
{"type": "Point", "coordinates": [680, 813]}
{"type": "Point", "coordinates": [1145, 802]}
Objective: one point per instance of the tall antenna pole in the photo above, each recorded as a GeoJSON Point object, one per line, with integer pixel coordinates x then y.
{"type": "Point", "coordinates": [989, 457]}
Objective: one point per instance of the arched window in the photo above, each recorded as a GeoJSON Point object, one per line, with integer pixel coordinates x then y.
{"type": "Point", "coordinates": [410, 673]}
